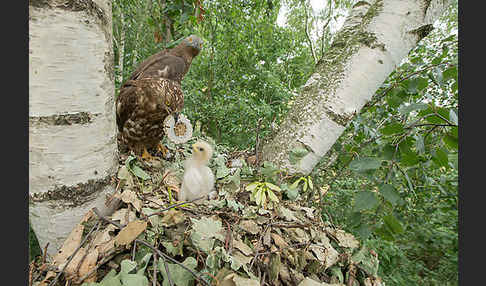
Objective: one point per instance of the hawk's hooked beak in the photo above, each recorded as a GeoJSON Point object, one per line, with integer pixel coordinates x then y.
{"type": "Point", "coordinates": [176, 117]}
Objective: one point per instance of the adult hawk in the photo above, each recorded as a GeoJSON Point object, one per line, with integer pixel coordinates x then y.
{"type": "Point", "coordinates": [151, 93]}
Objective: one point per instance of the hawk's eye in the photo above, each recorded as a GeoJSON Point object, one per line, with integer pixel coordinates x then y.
{"type": "Point", "coordinates": [201, 149]}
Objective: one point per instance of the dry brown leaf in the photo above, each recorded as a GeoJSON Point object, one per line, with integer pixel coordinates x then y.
{"type": "Point", "coordinates": [101, 237]}
{"type": "Point", "coordinates": [242, 247]}
{"type": "Point", "coordinates": [250, 226]}
{"type": "Point", "coordinates": [267, 239]}
{"type": "Point", "coordinates": [319, 252]}
{"type": "Point", "coordinates": [106, 248]}
{"type": "Point", "coordinates": [129, 196]}
{"type": "Point", "coordinates": [88, 264]}
{"type": "Point", "coordinates": [279, 241]}
{"type": "Point", "coordinates": [332, 256]}
{"type": "Point", "coordinates": [121, 215]}
{"type": "Point", "coordinates": [346, 239]}
{"type": "Point", "coordinates": [70, 245]}
{"type": "Point", "coordinates": [171, 180]}
{"type": "Point", "coordinates": [172, 217]}
{"type": "Point", "coordinates": [155, 203]}
{"type": "Point", "coordinates": [130, 232]}
{"type": "Point", "coordinates": [71, 268]}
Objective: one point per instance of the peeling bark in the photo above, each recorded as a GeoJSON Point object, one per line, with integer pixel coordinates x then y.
{"type": "Point", "coordinates": [374, 39]}
{"type": "Point", "coordinates": [72, 132]}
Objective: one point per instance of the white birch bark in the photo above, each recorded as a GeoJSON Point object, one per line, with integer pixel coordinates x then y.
{"type": "Point", "coordinates": [121, 47]}
{"type": "Point", "coordinates": [375, 37]}
{"type": "Point", "coordinates": [72, 143]}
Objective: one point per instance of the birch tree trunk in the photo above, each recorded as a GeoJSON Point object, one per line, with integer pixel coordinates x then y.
{"type": "Point", "coordinates": [72, 143]}
{"type": "Point", "coordinates": [374, 39]}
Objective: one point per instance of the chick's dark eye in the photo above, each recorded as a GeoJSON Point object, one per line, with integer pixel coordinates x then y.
{"type": "Point", "coordinates": [201, 149]}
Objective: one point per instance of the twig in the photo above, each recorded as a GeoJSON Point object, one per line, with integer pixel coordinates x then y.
{"type": "Point", "coordinates": [31, 270]}
{"type": "Point", "coordinates": [281, 249]}
{"type": "Point", "coordinates": [176, 205]}
{"type": "Point", "coordinates": [352, 275]}
{"type": "Point", "coordinates": [97, 212]}
{"type": "Point", "coordinates": [229, 239]}
{"type": "Point", "coordinates": [133, 250]}
{"type": "Point", "coordinates": [97, 225]}
{"type": "Point", "coordinates": [257, 144]}
{"type": "Point", "coordinates": [294, 225]}
{"type": "Point", "coordinates": [311, 47]}
{"type": "Point", "coordinates": [432, 124]}
{"type": "Point", "coordinates": [161, 254]}
{"type": "Point", "coordinates": [154, 280]}
{"type": "Point", "coordinates": [45, 253]}
{"type": "Point", "coordinates": [166, 266]}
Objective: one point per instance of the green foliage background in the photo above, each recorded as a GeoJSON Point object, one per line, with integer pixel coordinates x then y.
{"type": "Point", "coordinates": [393, 177]}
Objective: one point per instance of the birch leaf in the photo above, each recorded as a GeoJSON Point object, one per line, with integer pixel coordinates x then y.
{"type": "Point", "coordinates": [130, 232]}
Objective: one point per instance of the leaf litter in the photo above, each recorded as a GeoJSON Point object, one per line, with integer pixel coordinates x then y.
{"type": "Point", "coordinates": [228, 241]}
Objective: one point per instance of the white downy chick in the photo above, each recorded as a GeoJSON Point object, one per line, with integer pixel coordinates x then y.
{"type": "Point", "coordinates": [198, 178]}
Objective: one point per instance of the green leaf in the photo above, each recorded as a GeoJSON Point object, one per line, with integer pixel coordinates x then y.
{"type": "Point", "coordinates": [296, 183]}
{"type": "Point", "coordinates": [406, 109]}
{"type": "Point", "coordinates": [269, 170]}
{"type": "Point", "coordinates": [416, 84]}
{"type": "Point", "coordinates": [364, 231]}
{"type": "Point", "coordinates": [365, 164]}
{"type": "Point", "coordinates": [388, 152]}
{"type": "Point", "coordinates": [135, 169]}
{"type": "Point", "coordinates": [336, 272]}
{"type": "Point", "coordinates": [291, 193]}
{"type": "Point", "coordinates": [272, 186]}
{"type": "Point", "coordinates": [384, 233]}
{"type": "Point", "coordinates": [261, 198]}
{"type": "Point", "coordinates": [365, 200]}
{"type": "Point", "coordinates": [450, 73]}
{"type": "Point", "coordinates": [451, 142]}
{"type": "Point", "coordinates": [392, 128]}
{"type": "Point", "coordinates": [420, 144]}
{"type": "Point", "coordinates": [222, 172]}
{"type": "Point", "coordinates": [297, 154]}
{"type": "Point", "coordinates": [252, 186]}
{"type": "Point", "coordinates": [179, 275]}
{"type": "Point", "coordinates": [440, 158]}
{"type": "Point", "coordinates": [389, 193]}
{"type": "Point", "coordinates": [394, 101]}
{"type": "Point", "coordinates": [311, 185]}
{"type": "Point", "coordinates": [204, 231]}
{"type": "Point", "coordinates": [272, 196]}
{"type": "Point", "coordinates": [393, 224]}
{"type": "Point", "coordinates": [134, 280]}
{"type": "Point", "coordinates": [409, 158]}
{"type": "Point", "coordinates": [258, 195]}
{"type": "Point", "coordinates": [444, 112]}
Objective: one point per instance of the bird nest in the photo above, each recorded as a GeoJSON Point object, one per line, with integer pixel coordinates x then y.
{"type": "Point", "coordinates": [152, 240]}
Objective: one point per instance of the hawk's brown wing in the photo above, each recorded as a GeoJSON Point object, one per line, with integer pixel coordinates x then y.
{"type": "Point", "coordinates": [167, 66]}
{"type": "Point", "coordinates": [126, 103]}
{"type": "Point", "coordinates": [147, 63]}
